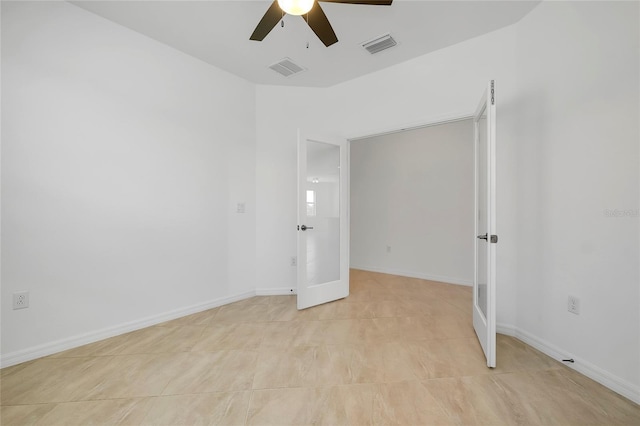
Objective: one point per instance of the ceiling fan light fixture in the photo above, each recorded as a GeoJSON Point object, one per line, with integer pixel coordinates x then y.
{"type": "Point", "coordinates": [296, 7]}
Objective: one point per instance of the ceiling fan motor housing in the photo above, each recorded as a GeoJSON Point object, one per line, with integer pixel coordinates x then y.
{"type": "Point", "coordinates": [315, 17]}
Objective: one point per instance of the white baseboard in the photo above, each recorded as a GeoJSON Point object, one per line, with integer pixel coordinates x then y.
{"type": "Point", "coordinates": [615, 383]}
{"type": "Point", "coordinates": [278, 291]}
{"type": "Point", "coordinates": [413, 274]}
{"type": "Point", "coordinates": [50, 348]}
{"type": "Point", "coordinates": [506, 329]}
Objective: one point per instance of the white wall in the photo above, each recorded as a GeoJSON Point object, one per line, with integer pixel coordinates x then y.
{"type": "Point", "coordinates": [577, 117]}
{"type": "Point", "coordinates": [413, 192]}
{"type": "Point", "coordinates": [444, 84]}
{"type": "Point", "coordinates": [122, 162]}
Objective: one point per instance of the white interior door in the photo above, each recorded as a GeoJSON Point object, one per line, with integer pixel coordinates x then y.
{"type": "Point", "coordinates": [486, 238]}
{"type": "Point", "coordinates": [323, 225]}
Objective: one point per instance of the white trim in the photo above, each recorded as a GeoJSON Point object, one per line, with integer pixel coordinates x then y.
{"type": "Point", "coordinates": [616, 384]}
{"type": "Point", "coordinates": [50, 348]}
{"type": "Point", "coordinates": [611, 381]}
{"type": "Point", "coordinates": [506, 329]}
{"type": "Point", "coordinates": [413, 274]}
{"type": "Point", "coordinates": [276, 291]}
{"type": "Point", "coordinates": [396, 128]}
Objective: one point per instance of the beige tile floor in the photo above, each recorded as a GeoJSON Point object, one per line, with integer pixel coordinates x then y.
{"type": "Point", "coordinates": [396, 351]}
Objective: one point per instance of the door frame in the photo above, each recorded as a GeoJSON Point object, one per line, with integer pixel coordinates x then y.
{"type": "Point", "coordinates": [435, 121]}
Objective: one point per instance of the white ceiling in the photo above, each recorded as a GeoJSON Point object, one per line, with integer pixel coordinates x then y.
{"type": "Point", "coordinates": [218, 32]}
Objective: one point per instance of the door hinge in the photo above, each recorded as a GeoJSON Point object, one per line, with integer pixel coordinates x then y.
{"type": "Point", "coordinates": [493, 99]}
{"type": "Point", "coordinates": [494, 239]}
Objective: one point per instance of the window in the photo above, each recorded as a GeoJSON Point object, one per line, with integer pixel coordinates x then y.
{"type": "Point", "coordinates": [311, 202]}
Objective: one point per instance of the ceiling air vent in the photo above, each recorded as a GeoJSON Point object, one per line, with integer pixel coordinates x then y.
{"type": "Point", "coordinates": [379, 43]}
{"type": "Point", "coordinates": [286, 67]}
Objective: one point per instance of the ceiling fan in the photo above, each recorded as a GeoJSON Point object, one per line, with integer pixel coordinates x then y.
{"type": "Point", "coordinates": [313, 13]}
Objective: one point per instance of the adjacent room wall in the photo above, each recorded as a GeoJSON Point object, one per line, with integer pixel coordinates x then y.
{"type": "Point", "coordinates": [577, 118]}
{"type": "Point", "coordinates": [412, 203]}
{"type": "Point", "coordinates": [122, 164]}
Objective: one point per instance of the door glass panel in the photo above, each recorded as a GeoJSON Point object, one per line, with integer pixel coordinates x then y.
{"type": "Point", "coordinates": [482, 245]}
{"type": "Point", "coordinates": [323, 212]}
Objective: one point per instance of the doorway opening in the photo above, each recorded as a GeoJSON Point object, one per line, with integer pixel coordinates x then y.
{"type": "Point", "coordinates": [411, 202]}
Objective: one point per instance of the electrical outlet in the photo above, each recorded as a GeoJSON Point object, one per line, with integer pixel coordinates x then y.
{"type": "Point", "coordinates": [388, 249]}
{"type": "Point", "coordinates": [294, 261]}
{"type": "Point", "coordinates": [20, 300]}
{"type": "Point", "coordinates": [573, 305]}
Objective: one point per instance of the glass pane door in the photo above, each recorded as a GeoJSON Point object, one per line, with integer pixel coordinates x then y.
{"type": "Point", "coordinates": [323, 226]}
{"type": "Point", "coordinates": [484, 282]}
{"type": "Point", "coordinates": [323, 212]}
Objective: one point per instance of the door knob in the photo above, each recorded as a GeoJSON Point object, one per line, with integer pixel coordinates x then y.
{"type": "Point", "coordinates": [305, 227]}
{"type": "Point", "coordinates": [494, 238]}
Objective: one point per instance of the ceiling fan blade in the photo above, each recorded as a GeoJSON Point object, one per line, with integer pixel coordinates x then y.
{"type": "Point", "coordinates": [272, 16]}
{"type": "Point", "coordinates": [320, 25]}
{"type": "Point", "coordinates": [369, 2]}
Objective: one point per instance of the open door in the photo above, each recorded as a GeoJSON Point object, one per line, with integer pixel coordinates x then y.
{"type": "Point", "coordinates": [486, 238]}
{"type": "Point", "coordinates": [323, 225]}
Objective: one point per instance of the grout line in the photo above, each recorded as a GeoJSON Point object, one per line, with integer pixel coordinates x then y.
{"type": "Point", "coordinates": [246, 417]}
